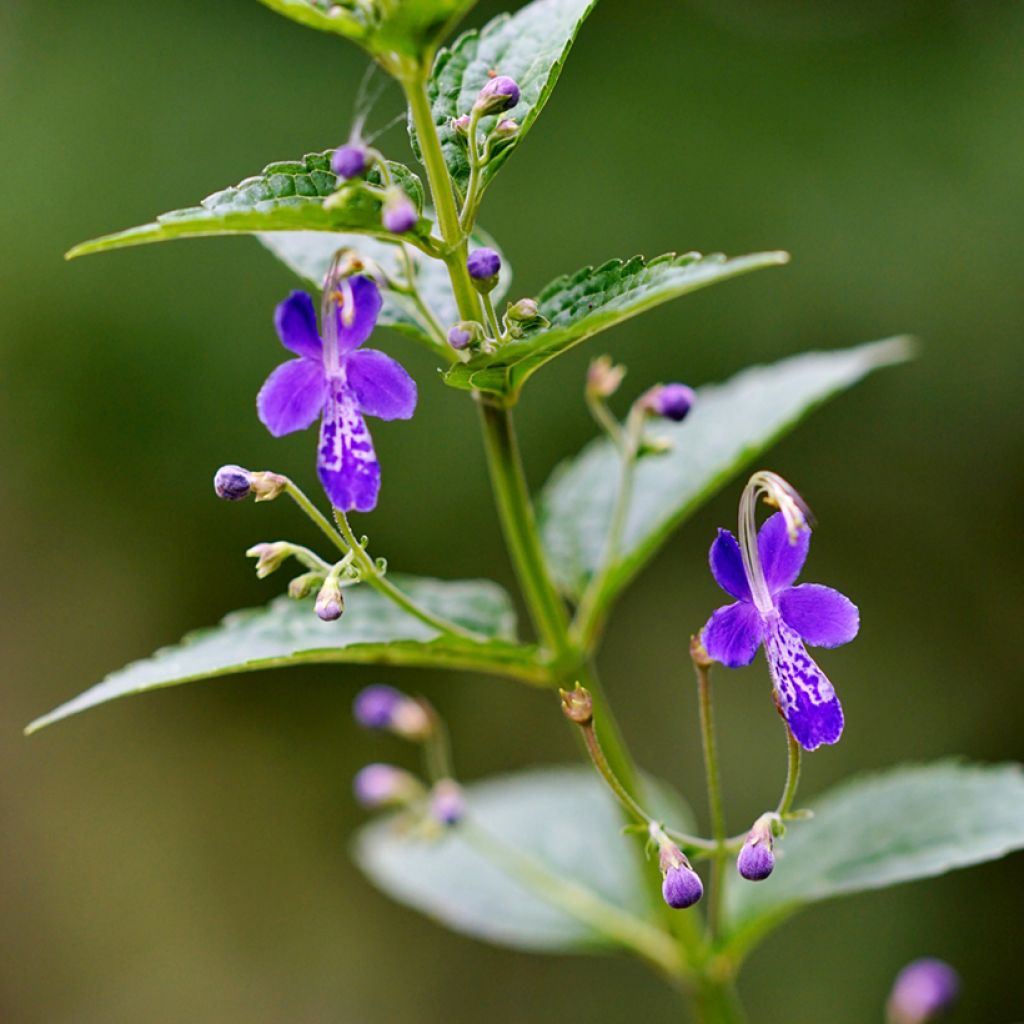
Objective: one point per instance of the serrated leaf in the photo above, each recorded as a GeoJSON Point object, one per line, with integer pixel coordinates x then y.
{"type": "Point", "coordinates": [372, 631]}
{"type": "Point", "coordinates": [530, 46]}
{"type": "Point", "coordinates": [410, 28]}
{"type": "Point", "coordinates": [309, 254]}
{"type": "Point", "coordinates": [730, 425]}
{"type": "Point", "coordinates": [879, 830]}
{"type": "Point", "coordinates": [595, 298]}
{"type": "Point", "coordinates": [285, 196]}
{"type": "Point", "coordinates": [563, 818]}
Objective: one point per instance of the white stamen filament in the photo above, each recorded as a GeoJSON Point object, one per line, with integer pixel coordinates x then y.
{"type": "Point", "coordinates": [783, 496]}
{"type": "Point", "coordinates": [328, 321]}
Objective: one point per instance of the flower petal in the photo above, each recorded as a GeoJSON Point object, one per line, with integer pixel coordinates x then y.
{"type": "Point", "coordinates": [292, 397]}
{"type": "Point", "coordinates": [781, 559]}
{"type": "Point", "coordinates": [357, 313]}
{"type": "Point", "coordinates": [821, 615]}
{"type": "Point", "coordinates": [733, 634]}
{"type": "Point", "coordinates": [346, 461]}
{"type": "Point", "coordinates": [727, 566]}
{"type": "Point", "coordinates": [381, 386]}
{"type": "Point", "coordinates": [295, 320]}
{"type": "Point", "coordinates": [803, 693]}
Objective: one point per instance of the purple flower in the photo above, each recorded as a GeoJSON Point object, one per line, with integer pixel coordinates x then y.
{"type": "Point", "coordinates": [922, 990]}
{"type": "Point", "coordinates": [336, 380]}
{"type": "Point", "coordinates": [232, 483]}
{"type": "Point", "coordinates": [483, 265]}
{"type": "Point", "coordinates": [500, 93]}
{"type": "Point", "coordinates": [770, 610]}
{"type": "Point", "coordinates": [350, 161]}
{"type": "Point", "coordinates": [681, 886]}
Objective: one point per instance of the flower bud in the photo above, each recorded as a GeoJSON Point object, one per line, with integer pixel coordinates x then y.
{"type": "Point", "coordinates": [267, 486]}
{"type": "Point", "coordinates": [604, 377]}
{"type": "Point", "coordinates": [350, 161]}
{"type": "Point", "coordinates": [384, 707]}
{"type": "Point", "coordinates": [757, 859]}
{"type": "Point", "coordinates": [269, 557]}
{"type": "Point", "coordinates": [460, 125]}
{"type": "Point", "coordinates": [673, 401]}
{"type": "Point", "coordinates": [505, 129]}
{"type": "Point", "coordinates": [384, 785]}
{"type": "Point", "coordinates": [232, 483]}
{"type": "Point", "coordinates": [523, 316]}
{"type": "Point", "coordinates": [330, 603]}
{"type": "Point", "coordinates": [923, 990]}
{"type": "Point", "coordinates": [681, 886]}
{"type": "Point", "coordinates": [577, 705]}
{"type": "Point", "coordinates": [484, 265]}
{"type": "Point", "coordinates": [302, 586]}
{"type": "Point", "coordinates": [500, 93]}
{"type": "Point", "coordinates": [399, 213]}
{"type": "Point", "coordinates": [447, 803]}
{"type": "Point", "coordinates": [465, 334]}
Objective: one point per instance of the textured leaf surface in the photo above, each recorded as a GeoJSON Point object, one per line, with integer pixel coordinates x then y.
{"type": "Point", "coordinates": [563, 817]}
{"type": "Point", "coordinates": [530, 46]}
{"type": "Point", "coordinates": [594, 299]}
{"type": "Point", "coordinates": [730, 425]}
{"type": "Point", "coordinates": [372, 631]}
{"type": "Point", "coordinates": [309, 254]}
{"type": "Point", "coordinates": [286, 196]}
{"type": "Point", "coordinates": [408, 27]}
{"type": "Point", "coordinates": [897, 826]}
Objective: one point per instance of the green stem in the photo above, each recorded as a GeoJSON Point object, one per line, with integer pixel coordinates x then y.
{"type": "Point", "coordinates": [318, 518]}
{"type": "Point", "coordinates": [492, 318]}
{"type": "Point", "coordinates": [792, 776]}
{"type": "Point", "coordinates": [434, 329]}
{"type": "Point", "coordinates": [710, 747]}
{"type": "Point", "coordinates": [518, 523]}
{"type": "Point", "coordinates": [717, 1002]}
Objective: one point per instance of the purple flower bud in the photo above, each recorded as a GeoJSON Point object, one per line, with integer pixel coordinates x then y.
{"type": "Point", "coordinates": [461, 124]}
{"type": "Point", "coordinates": [757, 859]}
{"type": "Point", "coordinates": [500, 93]}
{"type": "Point", "coordinates": [447, 804]}
{"type": "Point", "coordinates": [484, 265]}
{"type": "Point", "coordinates": [673, 401]}
{"type": "Point", "coordinates": [922, 990]}
{"type": "Point", "coordinates": [350, 161]}
{"type": "Point", "coordinates": [384, 707]}
{"type": "Point", "coordinates": [681, 886]}
{"type": "Point", "coordinates": [383, 785]}
{"type": "Point", "coordinates": [463, 334]}
{"type": "Point", "coordinates": [232, 483]}
{"type": "Point", "coordinates": [330, 603]}
{"type": "Point", "coordinates": [505, 128]}
{"type": "Point", "coordinates": [399, 213]}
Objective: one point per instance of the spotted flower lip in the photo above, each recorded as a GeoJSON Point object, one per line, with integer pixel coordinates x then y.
{"type": "Point", "coordinates": [339, 382]}
{"type": "Point", "coordinates": [783, 617]}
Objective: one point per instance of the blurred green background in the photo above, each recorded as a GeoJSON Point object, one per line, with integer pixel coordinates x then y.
{"type": "Point", "coordinates": [182, 856]}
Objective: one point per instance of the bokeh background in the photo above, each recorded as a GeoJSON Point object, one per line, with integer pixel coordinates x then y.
{"type": "Point", "coordinates": [183, 856]}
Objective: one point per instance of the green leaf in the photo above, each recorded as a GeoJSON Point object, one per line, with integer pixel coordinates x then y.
{"type": "Point", "coordinates": [309, 254]}
{"type": "Point", "coordinates": [562, 819]}
{"type": "Point", "coordinates": [530, 46]}
{"type": "Point", "coordinates": [372, 631]}
{"type": "Point", "coordinates": [286, 196]}
{"type": "Point", "coordinates": [880, 830]}
{"type": "Point", "coordinates": [592, 300]}
{"type": "Point", "coordinates": [406, 28]}
{"type": "Point", "coordinates": [730, 425]}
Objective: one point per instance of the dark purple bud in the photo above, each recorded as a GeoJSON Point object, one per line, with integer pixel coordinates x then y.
{"type": "Point", "coordinates": [384, 707]}
{"type": "Point", "coordinates": [500, 93]}
{"type": "Point", "coordinates": [232, 483]}
{"type": "Point", "coordinates": [923, 990]}
{"type": "Point", "coordinates": [757, 858]}
{"type": "Point", "coordinates": [384, 785]}
{"type": "Point", "coordinates": [673, 401]}
{"type": "Point", "coordinates": [350, 161]}
{"type": "Point", "coordinates": [447, 804]}
{"type": "Point", "coordinates": [399, 213]}
{"type": "Point", "coordinates": [484, 265]}
{"type": "Point", "coordinates": [681, 886]}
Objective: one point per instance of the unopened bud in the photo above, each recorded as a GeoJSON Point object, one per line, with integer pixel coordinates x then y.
{"type": "Point", "coordinates": [604, 377]}
{"type": "Point", "coordinates": [681, 886]}
{"type": "Point", "coordinates": [384, 707]}
{"type": "Point", "coordinates": [505, 129]}
{"type": "Point", "coordinates": [484, 265]}
{"type": "Point", "coordinates": [757, 859]}
{"type": "Point", "coordinates": [350, 161]}
{"type": "Point", "coordinates": [922, 992]}
{"type": "Point", "coordinates": [304, 585]}
{"type": "Point", "coordinates": [384, 785]}
{"type": "Point", "coordinates": [523, 316]}
{"type": "Point", "coordinates": [673, 401]}
{"type": "Point", "coordinates": [269, 557]}
{"type": "Point", "coordinates": [447, 803]}
{"type": "Point", "coordinates": [461, 124]}
{"type": "Point", "coordinates": [267, 486]}
{"type": "Point", "coordinates": [330, 603]}
{"type": "Point", "coordinates": [500, 93]}
{"type": "Point", "coordinates": [399, 214]}
{"type": "Point", "coordinates": [577, 705]}
{"type": "Point", "coordinates": [465, 334]}
{"type": "Point", "coordinates": [232, 483]}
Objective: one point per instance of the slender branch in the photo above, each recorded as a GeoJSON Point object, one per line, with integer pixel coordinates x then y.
{"type": "Point", "coordinates": [430, 322]}
{"type": "Point", "coordinates": [492, 318]}
{"type": "Point", "coordinates": [792, 776]}
{"type": "Point", "coordinates": [318, 518]}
